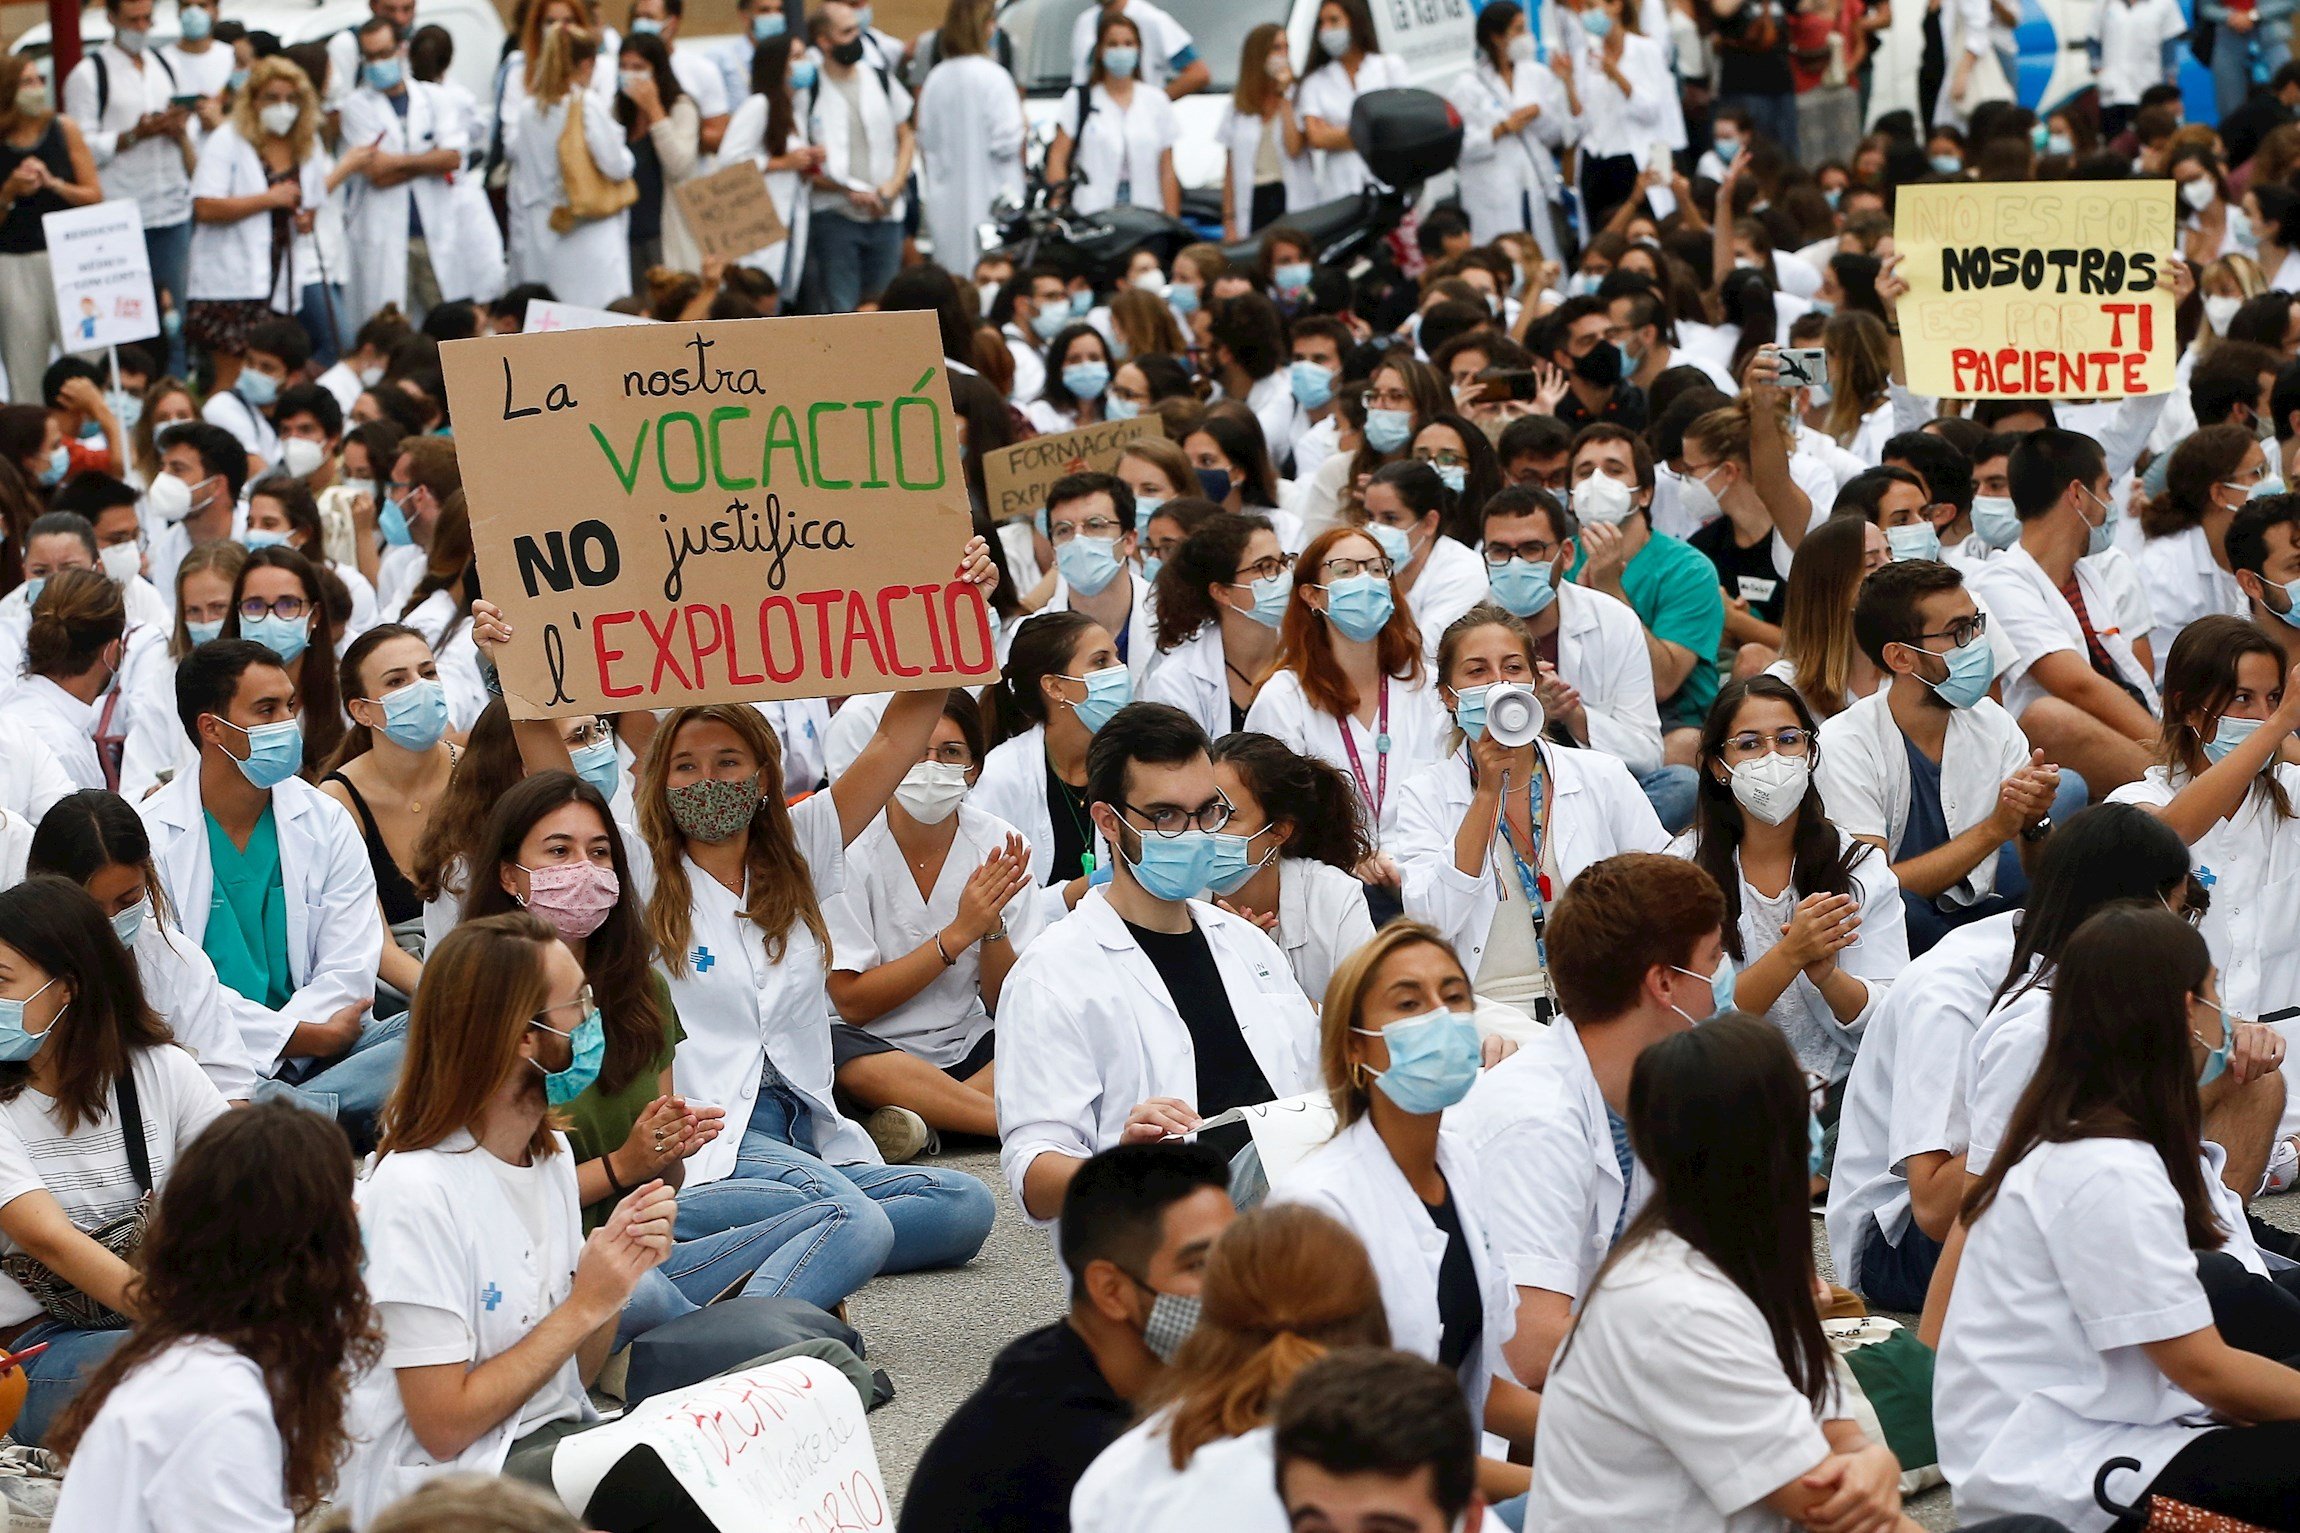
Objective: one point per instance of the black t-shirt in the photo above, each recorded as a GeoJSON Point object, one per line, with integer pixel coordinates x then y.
{"type": "Point", "coordinates": [1227, 1074]}
{"type": "Point", "coordinates": [1624, 407]}
{"type": "Point", "coordinates": [1010, 1455]}
{"type": "Point", "coordinates": [1748, 573]}
{"type": "Point", "coordinates": [1461, 1309]}
{"type": "Point", "coordinates": [1073, 828]}
{"type": "Point", "coordinates": [1753, 51]}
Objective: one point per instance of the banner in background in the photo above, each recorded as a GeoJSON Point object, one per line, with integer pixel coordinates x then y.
{"type": "Point", "coordinates": [1015, 479]}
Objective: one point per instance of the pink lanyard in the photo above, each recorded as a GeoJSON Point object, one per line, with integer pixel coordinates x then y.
{"type": "Point", "coordinates": [1381, 785]}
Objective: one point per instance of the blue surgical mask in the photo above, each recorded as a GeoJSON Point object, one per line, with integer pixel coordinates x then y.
{"type": "Point", "coordinates": [128, 924]}
{"type": "Point", "coordinates": [1151, 565]}
{"type": "Point", "coordinates": [1917, 540]}
{"type": "Point", "coordinates": [804, 73]}
{"type": "Point", "coordinates": [17, 1045]}
{"type": "Point", "coordinates": [275, 751]}
{"type": "Point", "coordinates": [1523, 587]}
{"type": "Point", "coordinates": [1086, 380]}
{"type": "Point", "coordinates": [1726, 148]}
{"type": "Point", "coordinates": [598, 765]}
{"type": "Point", "coordinates": [237, 79]}
{"type": "Point", "coordinates": [58, 465]}
{"type": "Point", "coordinates": [1360, 605]}
{"type": "Point", "coordinates": [1583, 284]}
{"type": "Point", "coordinates": [589, 1041]}
{"type": "Point", "coordinates": [382, 74]}
{"type": "Point", "coordinates": [391, 521]}
{"type": "Point", "coordinates": [1972, 666]}
{"type": "Point", "coordinates": [1313, 385]}
{"type": "Point", "coordinates": [33, 586]}
{"type": "Point", "coordinates": [1995, 521]}
{"type": "Point", "coordinates": [1453, 475]}
{"type": "Point", "coordinates": [1051, 321]}
{"type": "Point", "coordinates": [1120, 408]}
{"type": "Point", "coordinates": [1433, 1060]}
{"type": "Point", "coordinates": [1107, 691]}
{"type": "Point", "coordinates": [1720, 989]}
{"type": "Point", "coordinates": [646, 26]}
{"type": "Point", "coordinates": [261, 537]}
{"type": "Point", "coordinates": [195, 23]}
{"type": "Point", "coordinates": [258, 389]}
{"type": "Point", "coordinates": [1292, 278]}
{"type": "Point", "coordinates": [1389, 430]}
{"type": "Point", "coordinates": [1233, 867]}
{"type": "Point", "coordinates": [1271, 597]}
{"type": "Point", "coordinates": [1089, 564]}
{"type": "Point", "coordinates": [1334, 40]}
{"type": "Point", "coordinates": [415, 716]}
{"type": "Point", "coordinates": [1173, 867]}
{"type": "Point", "coordinates": [130, 409]}
{"type": "Point", "coordinates": [1182, 298]}
{"type": "Point", "coordinates": [1397, 544]}
{"type": "Point", "coordinates": [285, 637]}
{"type": "Point", "coordinates": [766, 26]}
{"type": "Point", "coordinates": [1947, 165]}
{"type": "Point", "coordinates": [1597, 24]}
{"type": "Point", "coordinates": [1146, 506]}
{"type": "Point", "coordinates": [2290, 616]}
{"type": "Point", "coordinates": [2215, 1058]}
{"type": "Point", "coordinates": [1469, 711]}
{"type": "Point", "coordinates": [1081, 303]}
{"type": "Point", "coordinates": [1815, 1144]}
{"type": "Point", "coordinates": [203, 633]}
{"type": "Point", "coordinates": [91, 430]}
{"type": "Point", "coordinates": [1119, 61]}
{"type": "Point", "coordinates": [2271, 484]}
{"type": "Point", "coordinates": [2099, 539]}
{"type": "Point", "coordinates": [2227, 735]}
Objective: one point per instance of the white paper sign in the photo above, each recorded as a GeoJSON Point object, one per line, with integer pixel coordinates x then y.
{"type": "Point", "coordinates": [1285, 1130]}
{"type": "Point", "coordinates": [542, 314]}
{"type": "Point", "coordinates": [102, 276]}
{"type": "Point", "coordinates": [774, 1448]}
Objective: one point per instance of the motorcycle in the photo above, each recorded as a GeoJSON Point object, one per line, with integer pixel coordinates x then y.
{"type": "Point", "coordinates": [1405, 136]}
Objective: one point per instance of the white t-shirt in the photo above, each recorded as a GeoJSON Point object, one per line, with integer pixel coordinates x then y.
{"type": "Point", "coordinates": [1690, 1436]}
{"type": "Point", "coordinates": [186, 1444]}
{"type": "Point", "coordinates": [86, 1170]}
{"type": "Point", "coordinates": [1133, 1487]}
{"type": "Point", "coordinates": [2082, 1258]}
{"type": "Point", "coordinates": [2028, 606]}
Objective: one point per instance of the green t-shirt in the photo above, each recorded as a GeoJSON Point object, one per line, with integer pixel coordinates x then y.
{"type": "Point", "coordinates": [599, 1121]}
{"type": "Point", "coordinates": [1673, 589]}
{"type": "Point", "coordinates": [246, 936]}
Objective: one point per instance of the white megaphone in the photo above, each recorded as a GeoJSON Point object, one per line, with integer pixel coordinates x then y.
{"type": "Point", "coordinates": [1513, 714]}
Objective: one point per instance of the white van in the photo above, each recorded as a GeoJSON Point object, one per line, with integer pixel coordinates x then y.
{"type": "Point", "coordinates": [474, 24]}
{"type": "Point", "coordinates": [1434, 37]}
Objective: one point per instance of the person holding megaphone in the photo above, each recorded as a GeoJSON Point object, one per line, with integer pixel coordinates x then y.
{"type": "Point", "coordinates": [1488, 838]}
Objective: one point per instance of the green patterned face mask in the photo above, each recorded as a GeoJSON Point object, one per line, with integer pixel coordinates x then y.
{"type": "Point", "coordinates": [711, 810]}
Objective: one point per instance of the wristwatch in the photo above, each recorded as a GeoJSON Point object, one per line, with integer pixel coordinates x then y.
{"type": "Point", "coordinates": [2032, 834]}
{"type": "Point", "coordinates": [996, 933]}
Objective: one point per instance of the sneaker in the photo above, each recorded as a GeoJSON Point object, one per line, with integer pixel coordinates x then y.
{"type": "Point", "coordinates": [899, 1133]}
{"type": "Point", "coordinates": [2283, 1166]}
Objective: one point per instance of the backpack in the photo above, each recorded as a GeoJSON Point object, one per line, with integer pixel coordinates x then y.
{"type": "Point", "coordinates": [104, 79]}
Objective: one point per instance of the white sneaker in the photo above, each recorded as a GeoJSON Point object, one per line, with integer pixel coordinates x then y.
{"type": "Point", "coordinates": [899, 1133]}
{"type": "Point", "coordinates": [2283, 1166]}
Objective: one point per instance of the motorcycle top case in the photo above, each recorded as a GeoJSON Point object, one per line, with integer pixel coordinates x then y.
{"type": "Point", "coordinates": [1406, 136]}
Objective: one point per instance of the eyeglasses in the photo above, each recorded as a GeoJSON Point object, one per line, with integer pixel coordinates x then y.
{"type": "Point", "coordinates": [581, 1003]}
{"type": "Point", "coordinates": [1266, 569]}
{"type": "Point", "coordinates": [1171, 820]}
{"type": "Point", "coordinates": [1535, 552]}
{"type": "Point", "coordinates": [1963, 631]}
{"type": "Point", "coordinates": [1389, 399]}
{"type": "Point", "coordinates": [952, 753]}
{"type": "Point", "coordinates": [254, 607]}
{"type": "Point", "coordinates": [596, 732]}
{"type": "Point", "coordinates": [1787, 741]}
{"type": "Point", "coordinates": [1092, 527]}
{"type": "Point", "coordinates": [1343, 569]}
{"type": "Point", "coordinates": [1443, 457]}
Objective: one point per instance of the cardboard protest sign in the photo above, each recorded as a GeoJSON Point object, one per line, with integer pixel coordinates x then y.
{"type": "Point", "coordinates": [729, 212]}
{"type": "Point", "coordinates": [2037, 289]}
{"type": "Point", "coordinates": [102, 277]}
{"type": "Point", "coordinates": [784, 1446]}
{"type": "Point", "coordinates": [544, 315]}
{"type": "Point", "coordinates": [1015, 479]}
{"type": "Point", "coordinates": [718, 512]}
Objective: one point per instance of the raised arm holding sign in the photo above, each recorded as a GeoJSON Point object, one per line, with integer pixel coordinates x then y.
{"type": "Point", "coordinates": [719, 512]}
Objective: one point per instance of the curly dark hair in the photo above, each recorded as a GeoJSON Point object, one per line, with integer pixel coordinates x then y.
{"type": "Point", "coordinates": [1311, 796]}
{"type": "Point", "coordinates": [254, 1243]}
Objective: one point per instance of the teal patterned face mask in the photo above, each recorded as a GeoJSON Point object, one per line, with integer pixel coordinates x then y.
{"type": "Point", "coordinates": [711, 810]}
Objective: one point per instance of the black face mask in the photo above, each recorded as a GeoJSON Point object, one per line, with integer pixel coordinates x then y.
{"type": "Point", "coordinates": [847, 54]}
{"type": "Point", "coordinates": [1602, 367]}
{"type": "Point", "coordinates": [1215, 482]}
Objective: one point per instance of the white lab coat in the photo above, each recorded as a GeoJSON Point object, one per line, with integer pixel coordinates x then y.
{"type": "Point", "coordinates": [1865, 780]}
{"type": "Point", "coordinates": [1601, 655]}
{"type": "Point", "coordinates": [2184, 583]}
{"type": "Point", "coordinates": [1906, 1093]}
{"type": "Point", "coordinates": [440, 1231]}
{"type": "Point", "coordinates": [376, 217]}
{"type": "Point", "coordinates": [1241, 139]}
{"type": "Point", "coordinates": [1452, 580]}
{"type": "Point", "coordinates": [1596, 810]}
{"type": "Point", "coordinates": [1501, 179]}
{"type": "Point", "coordinates": [591, 264]}
{"type": "Point", "coordinates": [1352, 1177]}
{"type": "Point", "coordinates": [1013, 787]}
{"type": "Point", "coordinates": [31, 779]}
{"type": "Point", "coordinates": [234, 260]}
{"type": "Point", "coordinates": [1554, 1194]}
{"type": "Point", "coordinates": [1074, 1059]}
{"type": "Point", "coordinates": [851, 161]}
{"type": "Point", "coordinates": [334, 935]}
{"type": "Point", "coordinates": [15, 847]}
{"type": "Point", "coordinates": [1141, 635]}
{"type": "Point", "coordinates": [1133, 1487]}
{"type": "Point", "coordinates": [1116, 148]}
{"type": "Point", "coordinates": [1193, 676]}
{"type": "Point", "coordinates": [181, 985]}
{"type": "Point", "coordinates": [746, 138]}
{"type": "Point", "coordinates": [2027, 604]}
{"type": "Point", "coordinates": [1322, 919]}
{"type": "Point", "coordinates": [1420, 732]}
{"type": "Point", "coordinates": [879, 917]}
{"type": "Point", "coordinates": [63, 723]}
{"type": "Point", "coordinates": [1328, 93]}
{"type": "Point", "coordinates": [970, 139]}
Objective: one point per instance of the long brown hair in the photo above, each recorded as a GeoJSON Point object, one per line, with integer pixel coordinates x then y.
{"type": "Point", "coordinates": [1284, 1285]}
{"type": "Point", "coordinates": [780, 888]}
{"type": "Point", "coordinates": [2200, 677]}
{"type": "Point", "coordinates": [615, 957]}
{"type": "Point", "coordinates": [358, 739]}
{"type": "Point", "coordinates": [2201, 462]}
{"type": "Point", "coordinates": [481, 987]}
{"type": "Point", "coordinates": [1817, 619]}
{"type": "Point", "coordinates": [1303, 646]}
{"type": "Point", "coordinates": [486, 770]}
{"type": "Point", "coordinates": [1821, 861]}
{"type": "Point", "coordinates": [222, 556]}
{"type": "Point", "coordinates": [59, 926]}
{"type": "Point", "coordinates": [2117, 1062]}
{"type": "Point", "coordinates": [255, 1244]}
{"type": "Point", "coordinates": [1255, 87]}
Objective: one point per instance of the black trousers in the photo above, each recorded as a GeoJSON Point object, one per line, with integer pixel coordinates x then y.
{"type": "Point", "coordinates": [2252, 1473]}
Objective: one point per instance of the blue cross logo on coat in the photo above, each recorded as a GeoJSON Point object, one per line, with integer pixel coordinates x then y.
{"type": "Point", "coordinates": [491, 1296]}
{"type": "Point", "coordinates": [702, 960]}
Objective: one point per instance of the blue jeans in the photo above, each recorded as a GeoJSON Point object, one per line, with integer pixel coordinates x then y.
{"type": "Point", "coordinates": [170, 252]}
{"type": "Point", "coordinates": [938, 1218]}
{"type": "Point", "coordinates": [1671, 791]}
{"type": "Point", "coordinates": [849, 260]}
{"type": "Point", "coordinates": [2240, 58]}
{"type": "Point", "coordinates": [794, 1246]}
{"type": "Point", "coordinates": [53, 1378]}
{"type": "Point", "coordinates": [354, 1088]}
{"type": "Point", "coordinates": [323, 314]}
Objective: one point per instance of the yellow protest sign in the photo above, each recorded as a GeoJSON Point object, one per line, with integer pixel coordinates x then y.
{"type": "Point", "coordinates": [2037, 289]}
{"type": "Point", "coordinates": [718, 512]}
